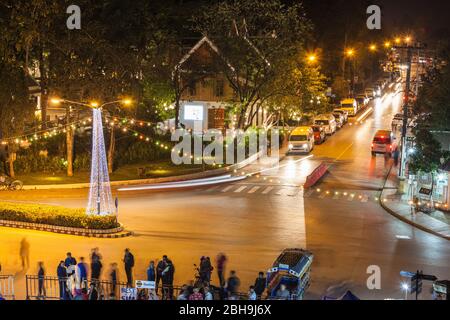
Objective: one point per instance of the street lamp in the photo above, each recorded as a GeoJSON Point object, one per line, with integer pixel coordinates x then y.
{"type": "Point", "coordinates": [312, 58]}
{"type": "Point", "coordinates": [350, 53]}
{"type": "Point", "coordinates": [405, 287]}
{"type": "Point", "coordinates": [387, 44]}
{"type": "Point", "coordinates": [397, 40]}
{"type": "Point", "coordinates": [373, 47]}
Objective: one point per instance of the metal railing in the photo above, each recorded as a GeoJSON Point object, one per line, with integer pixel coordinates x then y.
{"type": "Point", "coordinates": [7, 287]}
{"type": "Point", "coordinates": [54, 288]}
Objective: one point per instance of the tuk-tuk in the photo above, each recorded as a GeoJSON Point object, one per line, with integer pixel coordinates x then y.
{"type": "Point", "coordinates": [292, 268]}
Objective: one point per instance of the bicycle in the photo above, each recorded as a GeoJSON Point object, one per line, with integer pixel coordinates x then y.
{"type": "Point", "coordinates": [6, 183]}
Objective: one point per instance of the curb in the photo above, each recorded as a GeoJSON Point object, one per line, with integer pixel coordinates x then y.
{"type": "Point", "coordinates": [105, 234]}
{"type": "Point", "coordinates": [402, 218]}
{"type": "Point", "coordinates": [198, 175]}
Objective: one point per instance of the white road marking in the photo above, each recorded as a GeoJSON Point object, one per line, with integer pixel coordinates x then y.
{"type": "Point", "coordinates": [227, 188]}
{"type": "Point", "coordinates": [365, 198]}
{"type": "Point", "coordinates": [240, 189]}
{"type": "Point", "coordinates": [336, 196]}
{"type": "Point", "coordinates": [268, 189]}
{"type": "Point", "coordinates": [254, 189]}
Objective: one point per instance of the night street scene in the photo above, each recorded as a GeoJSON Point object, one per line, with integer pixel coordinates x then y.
{"type": "Point", "coordinates": [250, 152]}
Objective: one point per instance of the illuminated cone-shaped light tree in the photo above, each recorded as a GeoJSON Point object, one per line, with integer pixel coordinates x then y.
{"type": "Point", "coordinates": [100, 198]}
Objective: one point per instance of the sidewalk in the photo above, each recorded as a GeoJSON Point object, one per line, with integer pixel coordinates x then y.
{"type": "Point", "coordinates": [392, 202]}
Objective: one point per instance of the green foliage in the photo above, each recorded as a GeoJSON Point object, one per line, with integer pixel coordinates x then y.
{"type": "Point", "coordinates": [54, 215]}
{"type": "Point", "coordinates": [427, 154]}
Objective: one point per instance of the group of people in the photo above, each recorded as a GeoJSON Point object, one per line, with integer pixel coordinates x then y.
{"type": "Point", "coordinates": [80, 281]}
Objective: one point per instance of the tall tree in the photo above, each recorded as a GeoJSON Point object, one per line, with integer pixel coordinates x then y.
{"type": "Point", "coordinates": [257, 39]}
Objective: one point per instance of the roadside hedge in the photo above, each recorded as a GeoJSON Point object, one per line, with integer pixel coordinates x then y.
{"type": "Point", "coordinates": [55, 216]}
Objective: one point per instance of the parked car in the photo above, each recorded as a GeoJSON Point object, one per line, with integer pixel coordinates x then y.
{"type": "Point", "coordinates": [319, 134]}
{"type": "Point", "coordinates": [327, 121]}
{"type": "Point", "coordinates": [344, 114]}
{"type": "Point", "coordinates": [301, 140]}
{"type": "Point", "coordinates": [339, 119]}
{"type": "Point", "coordinates": [370, 92]}
{"type": "Point", "coordinates": [362, 100]}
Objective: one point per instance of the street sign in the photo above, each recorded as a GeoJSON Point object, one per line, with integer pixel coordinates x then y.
{"type": "Point", "coordinates": [128, 294]}
{"type": "Point", "coordinates": [407, 274]}
{"type": "Point", "coordinates": [428, 277]}
{"type": "Point", "coordinates": [140, 284]}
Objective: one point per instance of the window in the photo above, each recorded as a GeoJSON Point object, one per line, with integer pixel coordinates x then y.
{"type": "Point", "coordinates": [298, 138]}
{"type": "Point", "coordinates": [192, 89]}
{"type": "Point", "coordinates": [218, 90]}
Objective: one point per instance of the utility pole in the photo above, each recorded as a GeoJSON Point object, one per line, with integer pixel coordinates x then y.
{"type": "Point", "coordinates": [405, 113]}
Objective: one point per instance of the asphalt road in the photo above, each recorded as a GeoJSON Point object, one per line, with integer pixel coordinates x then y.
{"type": "Point", "coordinates": [339, 220]}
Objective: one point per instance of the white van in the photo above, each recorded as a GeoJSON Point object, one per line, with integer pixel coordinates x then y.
{"type": "Point", "coordinates": [301, 140]}
{"type": "Point", "coordinates": [327, 121]}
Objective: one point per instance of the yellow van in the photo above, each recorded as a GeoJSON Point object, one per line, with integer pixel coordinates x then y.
{"type": "Point", "coordinates": [349, 105]}
{"type": "Point", "coordinates": [301, 140]}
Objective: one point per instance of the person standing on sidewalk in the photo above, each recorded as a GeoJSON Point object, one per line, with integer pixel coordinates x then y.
{"type": "Point", "coordinates": [81, 272]}
{"type": "Point", "coordinates": [70, 264]}
{"type": "Point", "coordinates": [167, 278]}
{"type": "Point", "coordinates": [221, 261]}
{"type": "Point", "coordinates": [41, 281]}
{"type": "Point", "coordinates": [260, 285]}
{"type": "Point", "coordinates": [128, 261]}
{"type": "Point", "coordinates": [113, 278]}
{"type": "Point", "coordinates": [151, 273]}
{"type": "Point", "coordinates": [160, 267]}
{"type": "Point", "coordinates": [61, 272]}
{"type": "Point", "coordinates": [96, 268]}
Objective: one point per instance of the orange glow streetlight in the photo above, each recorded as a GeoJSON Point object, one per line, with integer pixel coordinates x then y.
{"type": "Point", "coordinates": [387, 44]}
{"type": "Point", "coordinates": [397, 40]}
{"type": "Point", "coordinates": [373, 47]}
{"type": "Point", "coordinates": [312, 58]}
{"type": "Point", "coordinates": [350, 53]}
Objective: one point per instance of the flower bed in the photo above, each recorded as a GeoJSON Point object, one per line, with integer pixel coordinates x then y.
{"type": "Point", "coordinates": [54, 215]}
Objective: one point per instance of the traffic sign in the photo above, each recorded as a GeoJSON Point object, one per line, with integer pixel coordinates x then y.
{"type": "Point", "coordinates": [407, 274]}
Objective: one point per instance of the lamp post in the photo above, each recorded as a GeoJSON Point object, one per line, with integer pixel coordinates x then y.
{"type": "Point", "coordinates": [100, 198]}
{"type": "Point", "coordinates": [405, 287]}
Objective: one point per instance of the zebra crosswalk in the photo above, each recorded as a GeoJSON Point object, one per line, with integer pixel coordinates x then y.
{"type": "Point", "coordinates": [240, 189]}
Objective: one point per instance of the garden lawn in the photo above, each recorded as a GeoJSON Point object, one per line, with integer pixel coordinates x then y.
{"type": "Point", "coordinates": [127, 172]}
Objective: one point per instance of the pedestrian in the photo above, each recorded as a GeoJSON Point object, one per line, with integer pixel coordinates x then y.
{"type": "Point", "coordinates": [208, 294]}
{"type": "Point", "coordinates": [95, 254]}
{"type": "Point", "coordinates": [196, 295]}
{"type": "Point", "coordinates": [162, 264]}
{"type": "Point", "coordinates": [81, 273]}
{"type": "Point", "coordinates": [260, 285]}
{"type": "Point", "coordinates": [128, 260]}
{"type": "Point", "coordinates": [96, 268]}
{"type": "Point", "coordinates": [233, 284]}
{"type": "Point", "coordinates": [70, 263]}
{"type": "Point", "coordinates": [25, 253]}
{"type": "Point", "coordinates": [61, 272]}
{"type": "Point", "coordinates": [113, 278]}
{"type": "Point", "coordinates": [167, 278]}
{"type": "Point", "coordinates": [205, 270]}
{"type": "Point", "coordinates": [184, 293]}
{"type": "Point", "coordinates": [283, 293]}
{"type": "Point", "coordinates": [151, 272]}
{"type": "Point", "coordinates": [220, 263]}
{"type": "Point", "coordinates": [251, 293]}
{"type": "Point", "coordinates": [41, 281]}
{"type": "Point", "coordinates": [396, 155]}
